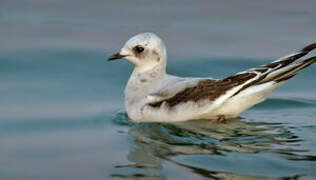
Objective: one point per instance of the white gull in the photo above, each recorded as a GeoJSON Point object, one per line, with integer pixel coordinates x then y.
{"type": "Point", "coordinates": [152, 95]}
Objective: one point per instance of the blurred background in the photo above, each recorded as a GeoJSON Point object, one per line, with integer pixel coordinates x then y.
{"type": "Point", "coordinates": [61, 103]}
{"type": "Point", "coordinates": [207, 28]}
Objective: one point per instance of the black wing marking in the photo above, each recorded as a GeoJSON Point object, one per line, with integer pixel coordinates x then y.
{"type": "Point", "coordinates": [277, 71]}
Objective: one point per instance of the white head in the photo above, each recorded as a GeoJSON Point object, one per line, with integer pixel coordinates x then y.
{"type": "Point", "coordinates": [145, 51]}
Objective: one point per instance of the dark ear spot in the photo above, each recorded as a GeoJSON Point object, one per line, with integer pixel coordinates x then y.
{"type": "Point", "coordinates": [143, 80]}
{"type": "Point", "coordinates": [157, 55]}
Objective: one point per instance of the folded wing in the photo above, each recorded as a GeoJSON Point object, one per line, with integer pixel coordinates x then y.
{"type": "Point", "coordinates": [218, 91]}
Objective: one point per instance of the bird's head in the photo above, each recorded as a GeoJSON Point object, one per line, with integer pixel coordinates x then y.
{"type": "Point", "coordinates": [145, 51]}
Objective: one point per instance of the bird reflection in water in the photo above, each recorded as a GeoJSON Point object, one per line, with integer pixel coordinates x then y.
{"type": "Point", "coordinates": [156, 143]}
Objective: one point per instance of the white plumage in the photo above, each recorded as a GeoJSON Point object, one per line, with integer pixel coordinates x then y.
{"type": "Point", "coordinates": [153, 95]}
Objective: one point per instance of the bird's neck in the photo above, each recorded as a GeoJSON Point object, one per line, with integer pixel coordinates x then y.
{"type": "Point", "coordinates": [142, 82]}
{"type": "Point", "coordinates": [142, 77]}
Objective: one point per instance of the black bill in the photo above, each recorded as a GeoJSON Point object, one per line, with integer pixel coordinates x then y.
{"type": "Point", "coordinates": [115, 56]}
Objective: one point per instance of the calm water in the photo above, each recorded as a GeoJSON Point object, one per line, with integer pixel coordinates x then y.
{"type": "Point", "coordinates": [62, 117]}
{"type": "Point", "coordinates": [61, 103]}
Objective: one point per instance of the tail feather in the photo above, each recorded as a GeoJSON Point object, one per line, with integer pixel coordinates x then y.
{"type": "Point", "coordinates": [286, 66]}
{"type": "Point", "coordinates": [280, 70]}
{"type": "Point", "coordinates": [297, 67]}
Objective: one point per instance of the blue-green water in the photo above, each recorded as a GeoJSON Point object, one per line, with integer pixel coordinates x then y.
{"type": "Point", "coordinates": [61, 104]}
{"type": "Point", "coordinates": [62, 116]}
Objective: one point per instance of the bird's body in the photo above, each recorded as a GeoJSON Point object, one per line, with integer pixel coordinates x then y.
{"type": "Point", "coordinates": [152, 95]}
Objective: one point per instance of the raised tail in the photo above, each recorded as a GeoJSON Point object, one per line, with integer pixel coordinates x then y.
{"type": "Point", "coordinates": [285, 68]}
{"type": "Point", "coordinates": [280, 70]}
{"type": "Point", "coordinates": [263, 80]}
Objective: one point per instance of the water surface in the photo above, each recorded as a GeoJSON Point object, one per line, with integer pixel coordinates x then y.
{"type": "Point", "coordinates": [62, 116]}
{"type": "Point", "coordinates": [61, 103]}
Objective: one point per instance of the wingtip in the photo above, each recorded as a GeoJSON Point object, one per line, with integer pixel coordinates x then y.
{"type": "Point", "coordinates": [309, 47]}
{"type": "Point", "coordinates": [285, 78]}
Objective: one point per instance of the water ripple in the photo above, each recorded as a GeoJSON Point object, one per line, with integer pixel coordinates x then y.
{"type": "Point", "coordinates": [172, 141]}
{"type": "Point", "coordinates": [281, 103]}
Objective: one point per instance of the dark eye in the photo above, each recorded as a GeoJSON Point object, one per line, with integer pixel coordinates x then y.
{"type": "Point", "coordinates": [138, 49]}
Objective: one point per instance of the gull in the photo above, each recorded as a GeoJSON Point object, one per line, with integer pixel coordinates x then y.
{"type": "Point", "coordinates": [153, 95]}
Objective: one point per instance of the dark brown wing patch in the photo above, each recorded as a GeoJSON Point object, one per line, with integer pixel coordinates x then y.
{"type": "Point", "coordinates": [206, 89]}
{"type": "Point", "coordinates": [212, 89]}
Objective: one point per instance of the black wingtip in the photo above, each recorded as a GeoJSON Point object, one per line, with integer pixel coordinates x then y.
{"type": "Point", "coordinates": [309, 47]}
{"type": "Point", "coordinates": [285, 78]}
